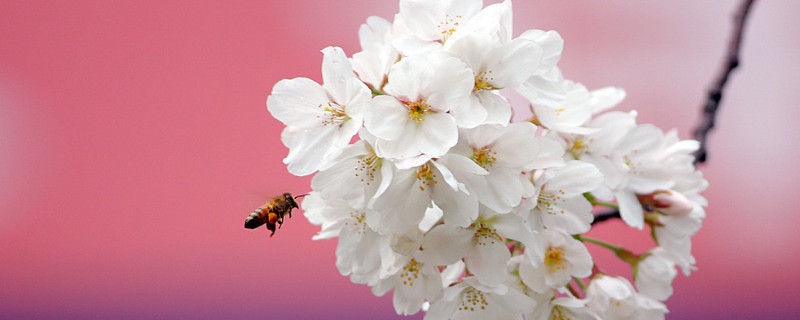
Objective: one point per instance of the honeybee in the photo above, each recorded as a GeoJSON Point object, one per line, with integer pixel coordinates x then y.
{"type": "Point", "coordinates": [272, 212]}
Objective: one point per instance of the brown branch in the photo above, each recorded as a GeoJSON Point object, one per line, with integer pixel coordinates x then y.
{"type": "Point", "coordinates": [606, 216]}
{"type": "Point", "coordinates": [715, 92]}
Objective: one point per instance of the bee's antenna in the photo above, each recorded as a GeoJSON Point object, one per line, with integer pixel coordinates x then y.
{"type": "Point", "coordinates": [302, 195]}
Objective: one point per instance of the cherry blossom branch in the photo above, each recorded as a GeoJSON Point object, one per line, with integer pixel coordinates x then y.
{"type": "Point", "coordinates": [715, 93]}
{"type": "Point", "coordinates": [606, 216]}
{"type": "Point", "coordinates": [711, 105]}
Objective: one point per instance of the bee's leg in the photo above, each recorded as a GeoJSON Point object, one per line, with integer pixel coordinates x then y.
{"type": "Point", "coordinates": [290, 212]}
{"type": "Point", "coordinates": [272, 218]}
{"type": "Point", "coordinates": [271, 227]}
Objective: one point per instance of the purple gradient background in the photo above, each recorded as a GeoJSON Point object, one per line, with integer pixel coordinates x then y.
{"type": "Point", "coordinates": [135, 140]}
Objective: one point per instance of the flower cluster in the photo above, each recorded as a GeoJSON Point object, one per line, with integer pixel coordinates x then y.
{"type": "Point", "coordinates": [435, 194]}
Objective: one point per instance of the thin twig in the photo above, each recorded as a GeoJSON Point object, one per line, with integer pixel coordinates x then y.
{"type": "Point", "coordinates": [606, 216]}
{"type": "Point", "coordinates": [711, 105]}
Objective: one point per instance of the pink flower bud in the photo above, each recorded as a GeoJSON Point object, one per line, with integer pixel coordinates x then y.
{"type": "Point", "coordinates": [668, 202]}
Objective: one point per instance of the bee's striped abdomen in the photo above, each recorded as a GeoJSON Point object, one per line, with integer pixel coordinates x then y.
{"type": "Point", "coordinates": [257, 218]}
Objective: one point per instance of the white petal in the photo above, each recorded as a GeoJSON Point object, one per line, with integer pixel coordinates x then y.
{"type": "Point", "coordinates": [373, 32]}
{"type": "Point", "coordinates": [449, 86]}
{"type": "Point", "coordinates": [514, 62]}
{"type": "Point", "coordinates": [575, 178]}
{"type": "Point", "coordinates": [445, 244]}
{"type": "Point", "coordinates": [487, 261]}
{"type": "Point", "coordinates": [401, 207]}
{"type": "Point", "coordinates": [533, 277]}
{"type": "Point", "coordinates": [308, 149]}
{"type": "Point", "coordinates": [296, 102]}
{"type": "Point", "coordinates": [403, 147]}
{"type": "Point", "coordinates": [470, 114]}
{"type": "Point", "coordinates": [421, 18]}
{"type": "Point", "coordinates": [336, 76]}
{"type": "Point", "coordinates": [385, 118]}
{"type": "Point", "coordinates": [630, 209]}
{"type": "Point", "coordinates": [512, 226]}
{"type": "Point", "coordinates": [551, 43]}
{"type": "Point", "coordinates": [497, 109]}
{"type": "Point", "coordinates": [605, 98]}
{"type": "Point", "coordinates": [460, 209]}
{"type": "Point", "coordinates": [516, 301]}
{"type": "Point", "coordinates": [437, 134]}
{"type": "Point", "coordinates": [576, 217]}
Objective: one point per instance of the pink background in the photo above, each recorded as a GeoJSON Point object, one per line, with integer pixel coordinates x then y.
{"type": "Point", "coordinates": [135, 140]}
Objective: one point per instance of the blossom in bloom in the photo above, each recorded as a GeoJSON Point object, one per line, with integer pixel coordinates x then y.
{"type": "Point", "coordinates": [444, 200]}
{"type": "Point", "coordinates": [552, 307]}
{"type": "Point", "coordinates": [320, 119]}
{"type": "Point", "coordinates": [360, 249]}
{"type": "Point", "coordinates": [471, 299]}
{"type": "Point", "coordinates": [402, 203]}
{"type": "Point", "coordinates": [413, 284]}
{"type": "Point", "coordinates": [496, 63]}
{"type": "Point", "coordinates": [655, 274]}
{"type": "Point", "coordinates": [505, 152]}
{"type": "Point", "coordinates": [481, 245]}
{"type": "Point", "coordinates": [413, 118]}
{"type": "Point", "coordinates": [558, 203]}
{"type": "Point", "coordinates": [614, 298]}
{"type": "Point", "coordinates": [564, 258]}
{"type": "Point", "coordinates": [355, 175]}
{"type": "Point", "coordinates": [566, 106]}
{"type": "Point", "coordinates": [429, 23]}
{"type": "Point", "coordinates": [377, 54]}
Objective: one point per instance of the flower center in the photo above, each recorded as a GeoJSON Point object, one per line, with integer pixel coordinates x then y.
{"type": "Point", "coordinates": [365, 169]}
{"type": "Point", "coordinates": [483, 81]}
{"type": "Point", "coordinates": [632, 166]}
{"type": "Point", "coordinates": [484, 157]}
{"type": "Point", "coordinates": [332, 114]}
{"type": "Point", "coordinates": [558, 314]}
{"type": "Point", "coordinates": [554, 259]}
{"type": "Point", "coordinates": [410, 272]}
{"type": "Point", "coordinates": [485, 234]}
{"type": "Point", "coordinates": [548, 200]}
{"type": "Point", "coordinates": [426, 176]}
{"type": "Point", "coordinates": [418, 109]}
{"type": "Point", "coordinates": [473, 299]}
{"type": "Point", "coordinates": [448, 26]}
{"type": "Point", "coordinates": [578, 146]}
{"type": "Point", "coordinates": [357, 221]}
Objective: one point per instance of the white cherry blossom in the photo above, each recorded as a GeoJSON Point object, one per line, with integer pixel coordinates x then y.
{"type": "Point", "coordinates": [355, 175]}
{"type": "Point", "coordinates": [413, 283]}
{"type": "Point", "coordinates": [377, 54]}
{"type": "Point", "coordinates": [566, 106]}
{"type": "Point", "coordinates": [413, 118]}
{"type": "Point", "coordinates": [473, 300]}
{"type": "Point", "coordinates": [481, 245]}
{"type": "Point", "coordinates": [461, 212]}
{"type": "Point", "coordinates": [552, 307]}
{"type": "Point", "coordinates": [320, 120]}
{"type": "Point", "coordinates": [558, 203]}
{"type": "Point", "coordinates": [614, 298]}
{"type": "Point", "coordinates": [655, 274]}
{"type": "Point", "coordinates": [564, 258]}
{"type": "Point", "coordinates": [505, 152]}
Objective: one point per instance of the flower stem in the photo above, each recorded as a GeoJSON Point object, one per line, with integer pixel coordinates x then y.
{"type": "Point", "coordinates": [572, 290]}
{"type": "Point", "coordinates": [377, 92]}
{"type": "Point", "coordinates": [594, 201]}
{"type": "Point", "coordinates": [598, 242]}
{"type": "Point", "coordinates": [580, 284]}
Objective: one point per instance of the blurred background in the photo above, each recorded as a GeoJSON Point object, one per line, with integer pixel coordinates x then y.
{"type": "Point", "coordinates": [134, 140]}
